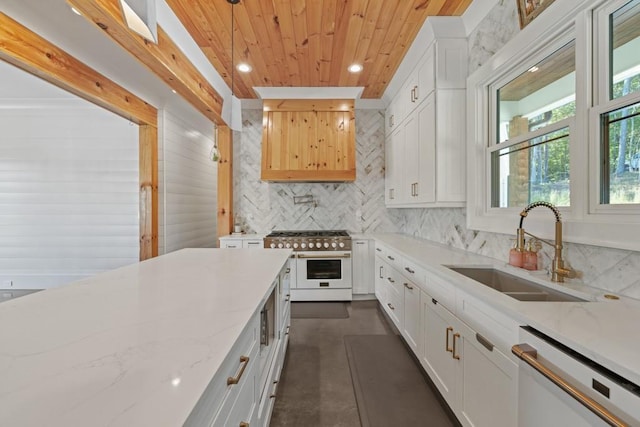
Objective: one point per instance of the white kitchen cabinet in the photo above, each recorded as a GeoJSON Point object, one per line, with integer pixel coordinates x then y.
{"type": "Point", "coordinates": [231, 243]}
{"type": "Point", "coordinates": [437, 356]}
{"type": "Point", "coordinates": [487, 387]}
{"type": "Point", "coordinates": [237, 241]}
{"type": "Point", "coordinates": [477, 380]}
{"type": "Point", "coordinates": [380, 283]}
{"type": "Point", "coordinates": [425, 145]}
{"type": "Point", "coordinates": [411, 330]}
{"type": "Point", "coordinates": [425, 154]}
{"type": "Point", "coordinates": [363, 266]}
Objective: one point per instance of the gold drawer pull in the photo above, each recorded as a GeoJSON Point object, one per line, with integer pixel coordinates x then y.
{"type": "Point", "coordinates": [391, 280]}
{"type": "Point", "coordinates": [244, 360]}
{"type": "Point", "coordinates": [410, 270]}
{"type": "Point", "coordinates": [455, 356]}
{"type": "Point", "coordinates": [391, 258]}
{"type": "Point", "coordinates": [449, 349]}
{"type": "Point", "coordinates": [275, 390]}
{"type": "Point", "coordinates": [408, 286]}
{"type": "Point", "coordinates": [390, 306]}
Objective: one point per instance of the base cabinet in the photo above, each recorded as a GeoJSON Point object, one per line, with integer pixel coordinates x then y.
{"type": "Point", "coordinates": [477, 380]}
{"type": "Point", "coordinates": [363, 266]}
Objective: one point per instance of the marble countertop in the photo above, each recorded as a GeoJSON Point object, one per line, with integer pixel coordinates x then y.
{"type": "Point", "coordinates": [600, 329]}
{"type": "Point", "coordinates": [135, 346]}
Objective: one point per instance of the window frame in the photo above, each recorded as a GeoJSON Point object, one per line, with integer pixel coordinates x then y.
{"type": "Point", "coordinates": [584, 222]}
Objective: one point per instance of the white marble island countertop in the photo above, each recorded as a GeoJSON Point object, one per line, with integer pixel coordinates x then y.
{"type": "Point", "coordinates": [136, 346]}
{"type": "Point", "coordinates": [603, 330]}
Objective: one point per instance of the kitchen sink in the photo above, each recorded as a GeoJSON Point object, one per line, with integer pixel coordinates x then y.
{"type": "Point", "coordinates": [513, 286]}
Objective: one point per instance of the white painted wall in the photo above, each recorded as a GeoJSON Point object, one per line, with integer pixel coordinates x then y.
{"type": "Point", "coordinates": [68, 191]}
{"type": "Point", "coordinates": [187, 182]}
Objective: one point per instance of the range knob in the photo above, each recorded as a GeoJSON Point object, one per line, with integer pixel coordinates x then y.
{"type": "Point", "coordinates": [334, 245]}
{"type": "Point", "coordinates": [288, 245]}
{"type": "Point", "coordinates": [326, 244]}
{"type": "Point", "coordinates": [342, 244]}
{"type": "Point", "coordinates": [273, 245]}
{"type": "Point", "coordinates": [280, 245]}
{"type": "Point", "coordinates": [303, 245]}
{"type": "Point", "coordinates": [310, 245]}
{"type": "Point", "coordinates": [295, 244]}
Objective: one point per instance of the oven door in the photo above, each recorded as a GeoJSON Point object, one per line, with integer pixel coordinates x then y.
{"type": "Point", "coordinates": [320, 270]}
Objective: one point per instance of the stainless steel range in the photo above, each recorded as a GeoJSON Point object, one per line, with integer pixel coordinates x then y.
{"type": "Point", "coordinates": [321, 263]}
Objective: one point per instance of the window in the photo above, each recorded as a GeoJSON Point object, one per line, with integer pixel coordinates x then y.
{"type": "Point", "coordinates": [555, 116]}
{"type": "Point", "coordinates": [530, 158]}
{"type": "Point", "coordinates": [619, 118]}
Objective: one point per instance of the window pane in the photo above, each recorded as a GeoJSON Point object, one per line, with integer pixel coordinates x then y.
{"type": "Point", "coordinates": [621, 156]}
{"type": "Point", "coordinates": [537, 169]}
{"type": "Point", "coordinates": [625, 41]}
{"type": "Point", "coordinates": [543, 95]}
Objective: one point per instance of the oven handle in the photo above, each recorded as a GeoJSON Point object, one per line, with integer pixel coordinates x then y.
{"type": "Point", "coordinates": [301, 256]}
{"type": "Point", "coordinates": [530, 355]}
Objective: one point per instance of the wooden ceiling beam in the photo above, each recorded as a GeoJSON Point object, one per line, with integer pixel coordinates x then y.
{"type": "Point", "coordinates": [26, 50]}
{"type": "Point", "coordinates": [164, 59]}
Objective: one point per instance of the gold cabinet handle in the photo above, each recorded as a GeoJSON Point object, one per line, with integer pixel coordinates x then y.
{"type": "Point", "coordinates": [244, 361]}
{"type": "Point", "coordinates": [408, 286]}
{"type": "Point", "coordinates": [409, 270]}
{"type": "Point", "coordinates": [530, 356]}
{"type": "Point", "coordinates": [416, 184]}
{"type": "Point", "coordinates": [415, 94]}
{"type": "Point", "coordinates": [390, 306]}
{"type": "Point", "coordinates": [453, 353]}
{"type": "Point", "coordinates": [391, 280]}
{"type": "Point", "coordinates": [275, 390]}
{"type": "Point", "coordinates": [391, 258]}
{"type": "Point", "coordinates": [446, 346]}
{"type": "Point", "coordinates": [287, 333]}
{"type": "Point", "coordinates": [380, 273]}
{"type": "Point", "coordinates": [378, 249]}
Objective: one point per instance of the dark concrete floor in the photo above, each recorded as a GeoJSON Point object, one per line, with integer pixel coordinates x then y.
{"type": "Point", "coordinates": [315, 388]}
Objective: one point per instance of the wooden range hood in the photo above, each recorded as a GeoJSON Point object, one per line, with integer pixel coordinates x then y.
{"type": "Point", "coordinates": [308, 140]}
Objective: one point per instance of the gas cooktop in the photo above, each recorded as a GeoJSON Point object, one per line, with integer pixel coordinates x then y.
{"type": "Point", "coordinates": [309, 240]}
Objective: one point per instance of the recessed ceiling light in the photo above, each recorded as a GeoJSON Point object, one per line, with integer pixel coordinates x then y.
{"type": "Point", "coordinates": [533, 69]}
{"type": "Point", "coordinates": [76, 11]}
{"type": "Point", "coordinates": [355, 68]}
{"type": "Point", "coordinates": [174, 91]}
{"type": "Point", "coordinates": [244, 68]}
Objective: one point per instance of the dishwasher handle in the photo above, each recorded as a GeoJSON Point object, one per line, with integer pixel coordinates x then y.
{"type": "Point", "coordinates": [530, 356]}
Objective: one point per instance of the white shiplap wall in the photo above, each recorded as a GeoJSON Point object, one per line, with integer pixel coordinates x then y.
{"type": "Point", "coordinates": [68, 192]}
{"type": "Point", "coordinates": [187, 182]}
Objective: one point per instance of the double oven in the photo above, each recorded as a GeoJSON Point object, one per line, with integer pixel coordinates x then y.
{"type": "Point", "coordinates": [321, 262]}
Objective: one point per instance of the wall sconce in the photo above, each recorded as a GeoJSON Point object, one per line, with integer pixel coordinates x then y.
{"type": "Point", "coordinates": [140, 17]}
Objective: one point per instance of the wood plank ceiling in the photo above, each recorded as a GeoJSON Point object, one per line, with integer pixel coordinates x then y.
{"type": "Point", "coordinates": [294, 43]}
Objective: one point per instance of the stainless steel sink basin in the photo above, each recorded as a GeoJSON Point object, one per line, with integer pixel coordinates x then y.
{"type": "Point", "coordinates": [513, 286]}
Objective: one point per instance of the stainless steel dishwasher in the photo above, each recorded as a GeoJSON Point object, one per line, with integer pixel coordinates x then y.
{"type": "Point", "coordinates": [560, 387]}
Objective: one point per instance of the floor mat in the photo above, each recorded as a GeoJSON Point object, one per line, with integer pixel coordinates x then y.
{"type": "Point", "coordinates": [319, 310]}
{"type": "Point", "coordinates": [390, 389]}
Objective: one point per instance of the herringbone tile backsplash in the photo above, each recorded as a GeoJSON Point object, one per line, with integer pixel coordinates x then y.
{"type": "Point", "coordinates": [355, 206]}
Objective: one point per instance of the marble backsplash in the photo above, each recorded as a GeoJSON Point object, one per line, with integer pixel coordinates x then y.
{"type": "Point", "coordinates": [355, 206]}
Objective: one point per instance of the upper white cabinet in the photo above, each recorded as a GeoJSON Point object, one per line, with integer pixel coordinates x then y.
{"type": "Point", "coordinates": [426, 131]}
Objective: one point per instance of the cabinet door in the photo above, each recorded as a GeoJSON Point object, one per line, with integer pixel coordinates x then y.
{"type": "Point", "coordinates": [381, 268]}
{"type": "Point", "coordinates": [411, 164]}
{"type": "Point", "coordinates": [412, 325]}
{"type": "Point", "coordinates": [363, 267]}
{"type": "Point", "coordinates": [394, 157]}
{"type": "Point", "coordinates": [437, 357]}
{"type": "Point", "coordinates": [426, 75]}
{"type": "Point", "coordinates": [231, 243]}
{"type": "Point", "coordinates": [252, 243]}
{"type": "Point", "coordinates": [425, 187]}
{"type": "Point", "coordinates": [451, 154]}
{"type": "Point", "coordinates": [487, 382]}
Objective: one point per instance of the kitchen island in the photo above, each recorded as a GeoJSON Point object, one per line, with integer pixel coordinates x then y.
{"type": "Point", "coordinates": [134, 346]}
